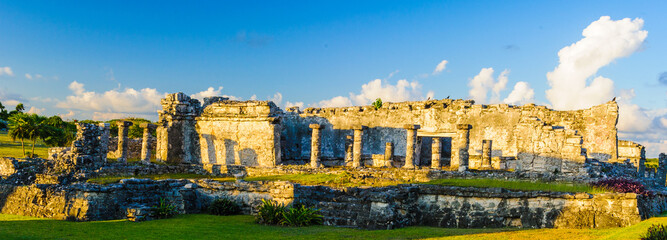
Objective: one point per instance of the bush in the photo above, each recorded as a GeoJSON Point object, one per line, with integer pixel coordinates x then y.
{"type": "Point", "coordinates": [270, 212]}
{"type": "Point", "coordinates": [301, 216]}
{"type": "Point", "coordinates": [164, 210]}
{"type": "Point", "coordinates": [223, 206]}
{"type": "Point", "coordinates": [623, 185]}
{"type": "Point", "coordinates": [297, 215]}
{"type": "Point", "coordinates": [377, 104]}
{"type": "Point", "coordinates": [655, 232]}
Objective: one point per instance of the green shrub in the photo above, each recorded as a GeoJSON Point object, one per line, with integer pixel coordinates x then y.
{"type": "Point", "coordinates": [164, 210]}
{"type": "Point", "coordinates": [297, 215]}
{"type": "Point", "coordinates": [224, 206]}
{"type": "Point", "coordinates": [270, 212]}
{"type": "Point", "coordinates": [655, 232]}
{"type": "Point", "coordinates": [301, 216]}
{"type": "Point", "coordinates": [377, 104]}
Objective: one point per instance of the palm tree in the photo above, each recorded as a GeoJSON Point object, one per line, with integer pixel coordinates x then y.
{"type": "Point", "coordinates": [19, 128]}
{"type": "Point", "coordinates": [38, 128]}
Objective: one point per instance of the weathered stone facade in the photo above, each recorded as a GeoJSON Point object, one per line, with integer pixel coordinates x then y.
{"type": "Point", "coordinates": [241, 133]}
{"type": "Point", "coordinates": [369, 208]}
{"type": "Point", "coordinates": [178, 140]}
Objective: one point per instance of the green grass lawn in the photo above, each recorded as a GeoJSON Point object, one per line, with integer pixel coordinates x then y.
{"type": "Point", "coordinates": [9, 148]}
{"type": "Point", "coordinates": [200, 226]}
{"type": "Point", "coordinates": [518, 185]}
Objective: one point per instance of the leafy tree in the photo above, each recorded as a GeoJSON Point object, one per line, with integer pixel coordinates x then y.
{"type": "Point", "coordinates": [19, 107]}
{"type": "Point", "coordinates": [4, 115]}
{"type": "Point", "coordinates": [62, 132]}
{"type": "Point", "coordinates": [19, 127]}
{"type": "Point", "coordinates": [377, 104]}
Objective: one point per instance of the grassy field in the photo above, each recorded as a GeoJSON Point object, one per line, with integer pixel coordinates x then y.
{"type": "Point", "coordinates": [199, 226]}
{"type": "Point", "coordinates": [518, 185]}
{"type": "Point", "coordinates": [9, 148]}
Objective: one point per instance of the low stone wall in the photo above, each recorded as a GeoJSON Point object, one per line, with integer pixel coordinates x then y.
{"type": "Point", "coordinates": [369, 208]}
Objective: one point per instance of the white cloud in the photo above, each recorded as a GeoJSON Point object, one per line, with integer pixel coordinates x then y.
{"type": "Point", "coordinates": [67, 116]}
{"type": "Point", "coordinates": [604, 41]}
{"type": "Point", "coordinates": [288, 104]}
{"type": "Point", "coordinates": [212, 92]}
{"type": "Point", "coordinates": [9, 100]}
{"type": "Point", "coordinates": [499, 86]}
{"type": "Point", "coordinates": [28, 76]}
{"type": "Point", "coordinates": [146, 100]}
{"type": "Point", "coordinates": [440, 67]}
{"type": "Point", "coordinates": [36, 110]}
{"type": "Point", "coordinates": [631, 118]}
{"type": "Point", "coordinates": [521, 94]}
{"type": "Point", "coordinates": [378, 88]}
{"type": "Point", "coordinates": [483, 82]}
{"type": "Point", "coordinates": [6, 71]}
{"type": "Point", "coordinates": [339, 101]}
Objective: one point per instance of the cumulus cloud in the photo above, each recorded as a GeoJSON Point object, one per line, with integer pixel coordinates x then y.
{"type": "Point", "coordinates": [6, 71]}
{"type": "Point", "coordinates": [212, 92]}
{"type": "Point", "coordinates": [31, 77]}
{"type": "Point", "coordinates": [278, 100]}
{"type": "Point", "coordinates": [146, 100]}
{"type": "Point", "coordinates": [440, 67]}
{"type": "Point", "coordinates": [9, 100]}
{"type": "Point", "coordinates": [67, 115]}
{"type": "Point", "coordinates": [631, 118]}
{"type": "Point", "coordinates": [378, 88]}
{"type": "Point", "coordinates": [604, 41]}
{"type": "Point", "coordinates": [521, 94]}
{"type": "Point", "coordinates": [338, 101]}
{"type": "Point", "coordinates": [484, 81]}
{"type": "Point", "coordinates": [36, 110]}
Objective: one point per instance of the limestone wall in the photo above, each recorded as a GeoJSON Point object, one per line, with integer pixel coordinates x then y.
{"type": "Point", "coordinates": [629, 150]}
{"type": "Point", "coordinates": [177, 138]}
{"type": "Point", "coordinates": [370, 208]}
{"type": "Point", "coordinates": [241, 133]}
{"type": "Point", "coordinates": [513, 129]}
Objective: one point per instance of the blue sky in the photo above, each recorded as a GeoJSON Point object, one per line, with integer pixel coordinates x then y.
{"type": "Point", "coordinates": [306, 52]}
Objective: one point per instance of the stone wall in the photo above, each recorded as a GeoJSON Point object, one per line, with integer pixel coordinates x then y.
{"type": "Point", "coordinates": [242, 133]}
{"type": "Point", "coordinates": [133, 147]}
{"type": "Point", "coordinates": [513, 129]}
{"type": "Point", "coordinates": [629, 150]}
{"type": "Point", "coordinates": [370, 208]}
{"type": "Point", "coordinates": [177, 138]}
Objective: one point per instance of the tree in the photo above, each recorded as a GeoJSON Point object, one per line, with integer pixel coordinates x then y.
{"type": "Point", "coordinates": [38, 128]}
{"type": "Point", "coordinates": [62, 133]}
{"type": "Point", "coordinates": [19, 107]}
{"type": "Point", "coordinates": [19, 128]}
{"type": "Point", "coordinates": [377, 104]}
{"type": "Point", "coordinates": [4, 115]}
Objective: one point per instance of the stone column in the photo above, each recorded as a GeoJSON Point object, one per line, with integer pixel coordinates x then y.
{"type": "Point", "coordinates": [460, 145]}
{"type": "Point", "coordinates": [123, 127]}
{"type": "Point", "coordinates": [388, 154]}
{"type": "Point", "coordinates": [410, 145]}
{"type": "Point", "coordinates": [486, 154]}
{"type": "Point", "coordinates": [436, 146]}
{"type": "Point", "coordinates": [349, 142]}
{"type": "Point", "coordinates": [315, 145]}
{"type": "Point", "coordinates": [641, 169]}
{"type": "Point", "coordinates": [104, 140]}
{"type": "Point", "coordinates": [146, 142]}
{"type": "Point", "coordinates": [357, 146]}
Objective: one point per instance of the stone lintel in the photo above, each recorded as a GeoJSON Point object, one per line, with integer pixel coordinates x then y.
{"type": "Point", "coordinates": [411, 126]}
{"type": "Point", "coordinates": [123, 123]}
{"type": "Point", "coordinates": [148, 125]}
{"type": "Point", "coordinates": [359, 127]}
{"type": "Point", "coordinates": [463, 126]}
{"type": "Point", "coordinates": [315, 126]}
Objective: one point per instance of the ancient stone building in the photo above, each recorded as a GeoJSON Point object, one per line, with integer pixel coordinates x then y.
{"type": "Point", "coordinates": [258, 133]}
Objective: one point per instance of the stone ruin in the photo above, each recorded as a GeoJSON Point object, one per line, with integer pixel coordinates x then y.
{"type": "Point", "coordinates": [438, 134]}
{"type": "Point", "coordinates": [401, 141]}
